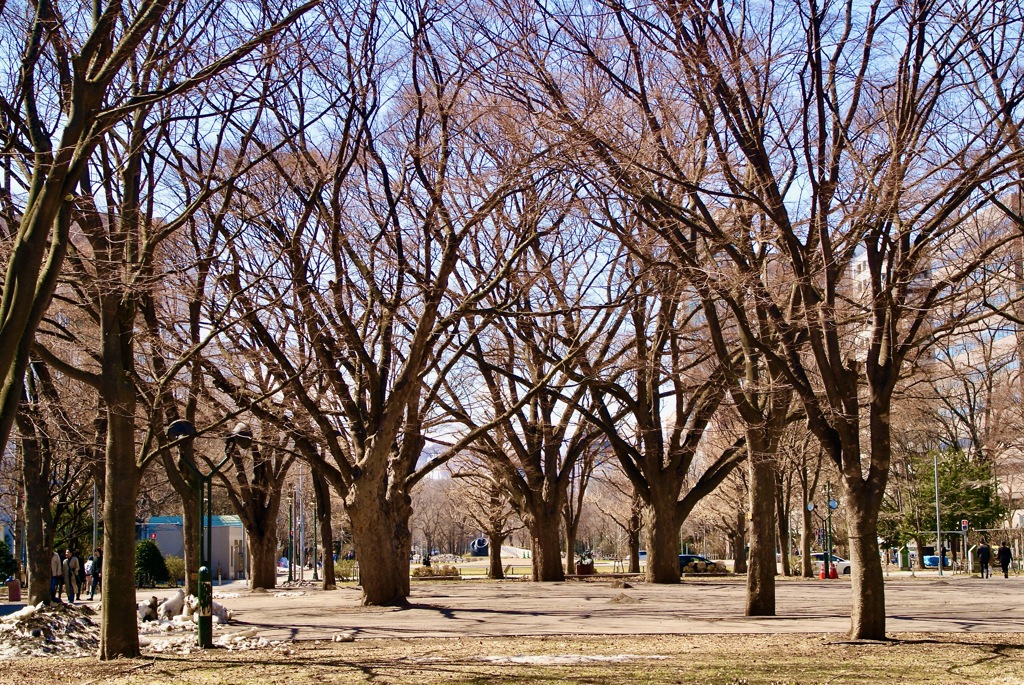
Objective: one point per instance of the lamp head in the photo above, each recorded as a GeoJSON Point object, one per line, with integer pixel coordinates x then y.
{"type": "Point", "coordinates": [180, 429]}
{"type": "Point", "coordinates": [241, 435]}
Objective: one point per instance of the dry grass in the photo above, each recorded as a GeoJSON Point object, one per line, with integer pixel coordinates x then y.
{"type": "Point", "coordinates": [669, 659]}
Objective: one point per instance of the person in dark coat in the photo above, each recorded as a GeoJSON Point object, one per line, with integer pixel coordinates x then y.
{"type": "Point", "coordinates": [97, 574]}
{"type": "Point", "coordinates": [984, 558]}
{"type": "Point", "coordinates": [1004, 559]}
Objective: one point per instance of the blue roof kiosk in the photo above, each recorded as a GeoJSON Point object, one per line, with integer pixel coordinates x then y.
{"type": "Point", "coordinates": [229, 555]}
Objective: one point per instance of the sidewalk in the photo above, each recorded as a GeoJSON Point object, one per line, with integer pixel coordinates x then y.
{"type": "Point", "coordinates": [481, 608]}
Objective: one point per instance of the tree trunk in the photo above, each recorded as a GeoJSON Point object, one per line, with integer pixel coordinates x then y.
{"type": "Point", "coordinates": [323, 519]}
{"type": "Point", "coordinates": [762, 567]}
{"type": "Point", "coordinates": [186, 485]}
{"type": "Point", "coordinates": [381, 536]}
{"type": "Point", "coordinates": [806, 568]}
{"type": "Point", "coordinates": [662, 537]}
{"type": "Point", "coordinates": [782, 517]}
{"type": "Point", "coordinates": [263, 555]}
{"type": "Point", "coordinates": [545, 552]}
{"type": "Point", "coordinates": [633, 537]}
{"type": "Point", "coordinates": [29, 286]}
{"type": "Point", "coordinates": [867, 606]}
{"type": "Point", "coordinates": [739, 542]}
{"type": "Point", "coordinates": [190, 528]}
{"type": "Point", "coordinates": [119, 633]}
{"type": "Point", "coordinates": [571, 528]}
{"type": "Point", "coordinates": [39, 535]}
{"type": "Point", "coordinates": [495, 570]}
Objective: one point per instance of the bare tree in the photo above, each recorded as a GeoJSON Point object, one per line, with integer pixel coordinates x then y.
{"type": "Point", "coordinates": [381, 232]}
{"type": "Point", "coordinates": [259, 466]}
{"type": "Point", "coordinates": [52, 120]}
{"type": "Point", "coordinates": [60, 459]}
{"type": "Point", "coordinates": [70, 90]}
{"type": "Point", "coordinates": [800, 462]}
{"type": "Point", "coordinates": [557, 307]}
{"type": "Point", "coordinates": [576, 496]}
{"type": "Point", "coordinates": [121, 224]}
{"type": "Point", "coordinates": [618, 500]}
{"type": "Point", "coordinates": [655, 411]}
{"type": "Point", "coordinates": [488, 504]}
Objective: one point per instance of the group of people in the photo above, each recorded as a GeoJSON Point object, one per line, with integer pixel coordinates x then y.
{"type": "Point", "coordinates": [1002, 556]}
{"type": "Point", "coordinates": [71, 577]}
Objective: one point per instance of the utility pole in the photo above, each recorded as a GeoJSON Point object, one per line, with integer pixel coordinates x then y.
{"type": "Point", "coordinates": [828, 529]}
{"type": "Point", "coordinates": [316, 515]}
{"type": "Point", "coordinates": [938, 519]}
{"type": "Point", "coordinates": [291, 537]}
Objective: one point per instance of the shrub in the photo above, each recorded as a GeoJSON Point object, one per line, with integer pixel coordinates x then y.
{"type": "Point", "coordinates": [150, 567]}
{"type": "Point", "coordinates": [175, 569]}
{"type": "Point", "coordinates": [345, 569]}
{"type": "Point", "coordinates": [430, 571]}
{"type": "Point", "coordinates": [8, 566]}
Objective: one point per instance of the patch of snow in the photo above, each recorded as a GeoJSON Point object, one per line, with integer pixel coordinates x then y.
{"type": "Point", "coordinates": [567, 659]}
{"type": "Point", "coordinates": [55, 630]}
{"type": "Point", "coordinates": [71, 630]}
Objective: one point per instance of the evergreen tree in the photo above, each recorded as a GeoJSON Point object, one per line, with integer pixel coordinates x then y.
{"type": "Point", "coordinates": [150, 567]}
{"type": "Point", "coordinates": [8, 566]}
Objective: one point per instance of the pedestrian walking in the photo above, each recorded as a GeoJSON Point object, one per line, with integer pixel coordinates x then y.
{"type": "Point", "coordinates": [1005, 558]}
{"type": "Point", "coordinates": [56, 577]}
{"type": "Point", "coordinates": [88, 573]}
{"type": "Point", "coordinates": [97, 574]}
{"type": "Point", "coordinates": [984, 558]}
{"type": "Point", "coordinates": [70, 568]}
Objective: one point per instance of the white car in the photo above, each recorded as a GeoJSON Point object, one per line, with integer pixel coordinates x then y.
{"type": "Point", "coordinates": [818, 559]}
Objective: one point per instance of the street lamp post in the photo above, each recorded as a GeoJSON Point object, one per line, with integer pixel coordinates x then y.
{"type": "Point", "coordinates": [182, 432]}
{"type": "Point", "coordinates": [831, 504]}
{"type": "Point", "coordinates": [938, 519]}
{"type": "Point", "coordinates": [316, 515]}
{"type": "Point", "coordinates": [291, 537]}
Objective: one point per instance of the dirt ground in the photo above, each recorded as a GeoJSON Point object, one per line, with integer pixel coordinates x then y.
{"type": "Point", "coordinates": [657, 659]}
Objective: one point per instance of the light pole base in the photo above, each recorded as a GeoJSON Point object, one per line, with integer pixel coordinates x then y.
{"type": "Point", "coordinates": [205, 608]}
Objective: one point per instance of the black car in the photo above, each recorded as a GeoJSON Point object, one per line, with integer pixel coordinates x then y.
{"type": "Point", "coordinates": [695, 563]}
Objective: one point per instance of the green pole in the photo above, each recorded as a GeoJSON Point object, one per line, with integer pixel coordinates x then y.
{"type": "Point", "coordinates": [208, 557]}
{"type": "Point", "coordinates": [202, 522]}
{"type": "Point", "coordinates": [828, 529]}
{"type": "Point", "coordinates": [205, 607]}
{"type": "Point", "coordinates": [291, 538]}
{"type": "Point", "coordinates": [316, 515]}
{"type": "Point", "coordinates": [938, 518]}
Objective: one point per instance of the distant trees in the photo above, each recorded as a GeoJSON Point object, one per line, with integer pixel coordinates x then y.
{"type": "Point", "coordinates": [485, 502]}
{"type": "Point", "coordinates": [966, 489]}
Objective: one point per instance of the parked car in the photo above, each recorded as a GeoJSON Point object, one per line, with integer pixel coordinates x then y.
{"type": "Point", "coordinates": [695, 563]}
{"type": "Point", "coordinates": [818, 560]}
